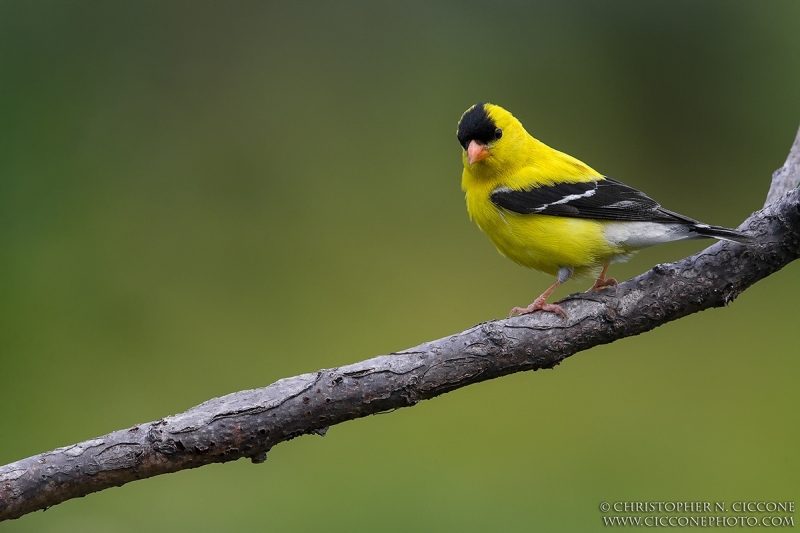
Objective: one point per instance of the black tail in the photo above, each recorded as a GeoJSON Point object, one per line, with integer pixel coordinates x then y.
{"type": "Point", "coordinates": [721, 233]}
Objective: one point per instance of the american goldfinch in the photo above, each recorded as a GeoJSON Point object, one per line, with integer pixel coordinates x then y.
{"type": "Point", "coordinates": [545, 210]}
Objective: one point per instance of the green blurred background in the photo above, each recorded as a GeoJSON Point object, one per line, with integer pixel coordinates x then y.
{"type": "Point", "coordinates": [203, 197]}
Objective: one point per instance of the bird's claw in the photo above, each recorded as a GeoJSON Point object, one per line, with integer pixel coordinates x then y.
{"type": "Point", "coordinates": [540, 305]}
{"type": "Point", "coordinates": [602, 283]}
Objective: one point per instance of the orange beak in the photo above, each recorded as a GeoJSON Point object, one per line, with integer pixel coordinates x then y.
{"type": "Point", "coordinates": [477, 152]}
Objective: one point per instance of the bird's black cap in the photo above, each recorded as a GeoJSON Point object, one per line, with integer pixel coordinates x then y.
{"type": "Point", "coordinates": [476, 125]}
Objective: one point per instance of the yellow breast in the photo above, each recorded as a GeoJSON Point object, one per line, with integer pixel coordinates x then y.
{"type": "Point", "coordinates": [542, 242]}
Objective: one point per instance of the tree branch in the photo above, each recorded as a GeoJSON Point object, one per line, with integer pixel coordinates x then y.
{"type": "Point", "coordinates": [249, 423]}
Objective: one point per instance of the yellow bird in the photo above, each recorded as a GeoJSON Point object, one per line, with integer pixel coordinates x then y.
{"type": "Point", "coordinates": [545, 210]}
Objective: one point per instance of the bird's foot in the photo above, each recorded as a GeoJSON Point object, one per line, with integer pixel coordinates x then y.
{"type": "Point", "coordinates": [602, 283]}
{"type": "Point", "coordinates": [540, 305]}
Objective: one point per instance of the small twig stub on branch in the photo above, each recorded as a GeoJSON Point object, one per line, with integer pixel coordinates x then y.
{"type": "Point", "coordinates": [787, 177]}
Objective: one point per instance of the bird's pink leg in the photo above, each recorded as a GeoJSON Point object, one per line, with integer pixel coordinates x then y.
{"type": "Point", "coordinates": [603, 281]}
{"type": "Point", "coordinates": [540, 305]}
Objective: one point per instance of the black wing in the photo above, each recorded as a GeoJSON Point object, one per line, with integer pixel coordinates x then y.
{"type": "Point", "coordinates": [605, 199]}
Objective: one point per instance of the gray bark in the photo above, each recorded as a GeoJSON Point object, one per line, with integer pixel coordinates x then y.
{"type": "Point", "coordinates": [249, 423]}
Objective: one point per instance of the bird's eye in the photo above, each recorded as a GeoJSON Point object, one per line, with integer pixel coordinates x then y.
{"type": "Point", "coordinates": [498, 133]}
